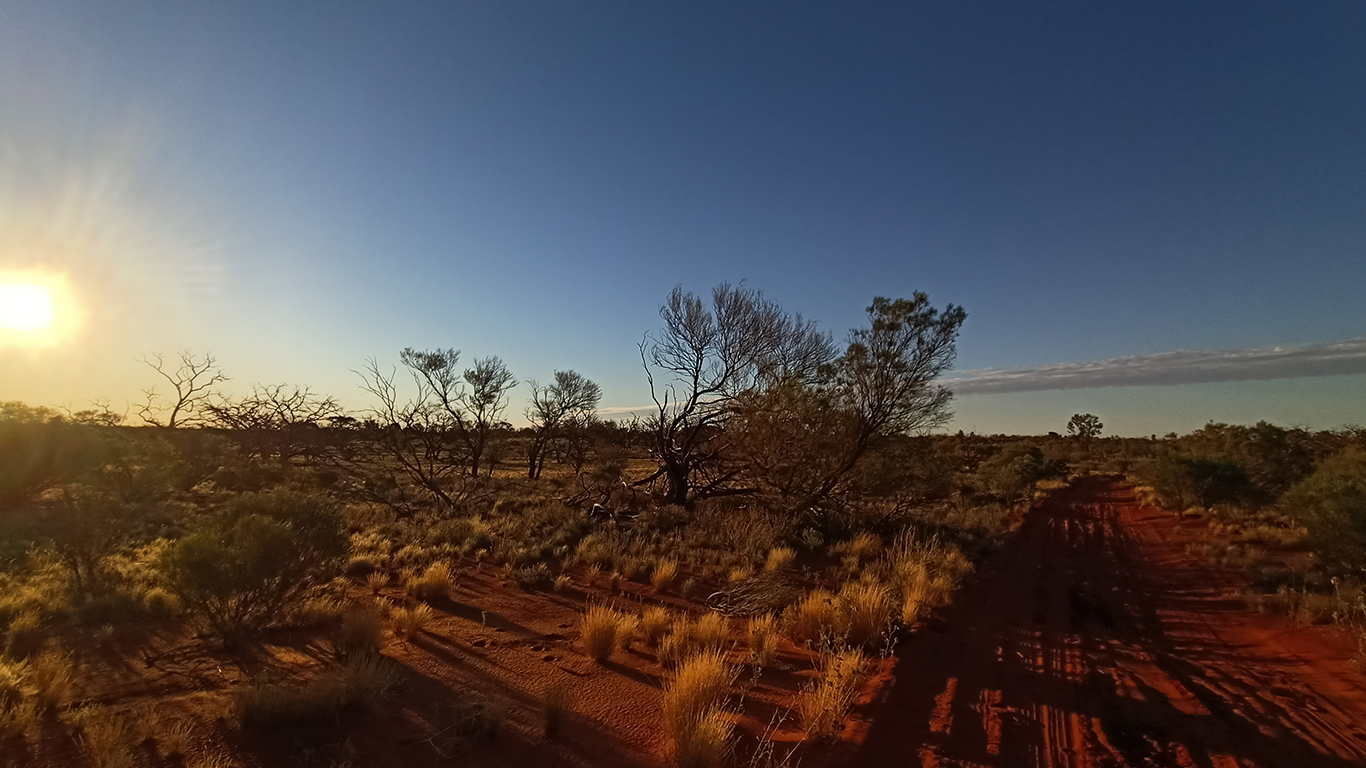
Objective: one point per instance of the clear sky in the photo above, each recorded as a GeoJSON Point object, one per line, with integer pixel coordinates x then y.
{"type": "Point", "coordinates": [298, 186]}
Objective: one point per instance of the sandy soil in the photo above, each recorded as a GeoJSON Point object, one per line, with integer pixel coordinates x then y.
{"type": "Point", "coordinates": [1092, 639]}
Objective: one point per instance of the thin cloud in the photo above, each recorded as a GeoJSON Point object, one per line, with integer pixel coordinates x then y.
{"type": "Point", "coordinates": [1168, 368]}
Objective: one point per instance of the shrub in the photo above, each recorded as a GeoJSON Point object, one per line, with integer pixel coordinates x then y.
{"type": "Point", "coordinates": [435, 582]}
{"type": "Point", "coordinates": [1331, 504]}
{"type": "Point", "coordinates": [664, 574]}
{"type": "Point", "coordinates": [159, 602]}
{"type": "Point", "coordinates": [359, 682]}
{"type": "Point", "coordinates": [257, 560]}
{"type": "Point", "coordinates": [779, 558]}
{"type": "Point", "coordinates": [409, 622]}
{"type": "Point", "coordinates": [598, 630]}
{"type": "Point", "coordinates": [693, 715]}
{"type": "Point", "coordinates": [824, 704]}
{"type": "Point", "coordinates": [362, 630]}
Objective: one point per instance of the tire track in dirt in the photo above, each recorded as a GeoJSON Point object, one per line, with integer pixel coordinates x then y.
{"type": "Point", "coordinates": [1091, 640]}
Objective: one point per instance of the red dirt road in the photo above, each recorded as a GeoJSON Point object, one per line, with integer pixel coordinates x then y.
{"type": "Point", "coordinates": [1092, 639]}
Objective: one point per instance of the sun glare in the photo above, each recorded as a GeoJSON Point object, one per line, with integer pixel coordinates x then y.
{"type": "Point", "coordinates": [25, 307]}
{"type": "Point", "coordinates": [37, 309]}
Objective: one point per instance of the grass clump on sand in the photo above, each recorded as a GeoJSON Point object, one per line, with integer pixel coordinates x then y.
{"type": "Point", "coordinates": [824, 704]}
{"type": "Point", "coordinates": [694, 717]}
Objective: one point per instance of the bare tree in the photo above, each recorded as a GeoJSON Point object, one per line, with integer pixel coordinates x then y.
{"type": "Point", "coordinates": [275, 419]}
{"type": "Point", "coordinates": [566, 402]}
{"type": "Point", "coordinates": [468, 414]}
{"type": "Point", "coordinates": [415, 433]}
{"type": "Point", "coordinates": [701, 362]}
{"type": "Point", "coordinates": [194, 381]}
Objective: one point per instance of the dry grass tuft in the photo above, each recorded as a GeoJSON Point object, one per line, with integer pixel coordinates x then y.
{"type": "Point", "coordinates": [779, 558]}
{"type": "Point", "coordinates": [865, 613]}
{"type": "Point", "coordinates": [556, 700]}
{"type": "Point", "coordinates": [53, 674]}
{"type": "Point", "coordinates": [737, 574]}
{"type": "Point", "coordinates": [376, 581]}
{"type": "Point", "coordinates": [653, 624]}
{"type": "Point", "coordinates": [763, 641]}
{"type": "Point", "coordinates": [693, 715]}
{"type": "Point", "coordinates": [664, 574]}
{"type": "Point", "coordinates": [598, 630]}
{"type": "Point", "coordinates": [105, 739]}
{"type": "Point", "coordinates": [824, 704]}
{"type": "Point", "coordinates": [409, 622]}
{"type": "Point", "coordinates": [362, 630]}
{"type": "Point", "coordinates": [562, 582]}
{"type": "Point", "coordinates": [711, 632]}
{"type": "Point", "coordinates": [815, 616]}
{"type": "Point", "coordinates": [434, 584]}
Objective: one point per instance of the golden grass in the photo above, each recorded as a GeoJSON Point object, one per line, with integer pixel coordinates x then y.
{"type": "Point", "coordinates": [664, 574]}
{"type": "Point", "coordinates": [591, 572]}
{"type": "Point", "coordinates": [408, 622]}
{"type": "Point", "coordinates": [779, 558]}
{"type": "Point", "coordinates": [562, 582]}
{"type": "Point", "coordinates": [763, 641]}
{"type": "Point", "coordinates": [654, 623]}
{"type": "Point", "coordinates": [53, 675]}
{"type": "Point", "coordinates": [711, 632]}
{"type": "Point", "coordinates": [105, 739]}
{"type": "Point", "coordinates": [598, 631]}
{"type": "Point", "coordinates": [376, 581]}
{"type": "Point", "coordinates": [815, 616]}
{"type": "Point", "coordinates": [693, 715]}
{"type": "Point", "coordinates": [824, 704]}
{"type": "Point", "coordinates": [865, 613]}
{"type": "Point", "coordinates": [434, 584]}
{"type": "Point", "coordinates": [737, 574]}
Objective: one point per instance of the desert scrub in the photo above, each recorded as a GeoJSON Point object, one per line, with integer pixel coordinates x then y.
{"type": "Point", "coordinates": [158, 602]}
{"type": "Point", "coordinates": [711, 632]}
{"type": "Point", "coordinates": [763, 641]}
{"type": "Point", "coordinates": [779, 558]}
{"type": "Point", "coordinates": [408, 622]}
{"type": "Point", "coordinates": [359, 682]}
{"type": "Point", "coordinates": [562, 582]}
{"type": "Point", "coordinates": [598, 631]}
{"type": "Point", "coordinates": [824, 704]}
{"type": "Point", "coordinates": [693, 710]}
{"type": "Point", "coordinates": [664, 574]}
{"type": "Point", "coordinates": [257, 560]}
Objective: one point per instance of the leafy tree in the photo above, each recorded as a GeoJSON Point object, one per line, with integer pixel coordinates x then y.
{"type": "Point", "coordinates": [257, 560]}
{"type": "Point", "coordinates": [1331, 504]}
{"type": "Point", "coordinates": [1013, 472]}
{"type": "Point", "coordinates": [564, 404]}
{"type": "Point", "coordinates": [1084, 426]}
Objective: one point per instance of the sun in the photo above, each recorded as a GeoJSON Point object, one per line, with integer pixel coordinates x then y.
{"type": "Point", "coordinates": [38, 309]}
{"type": "Point", "coordinates": [25, 307]}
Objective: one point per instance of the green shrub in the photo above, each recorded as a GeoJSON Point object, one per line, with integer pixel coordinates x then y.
{"type": "Point", "coordinates": [257, 561]}
{"type": "Point", "coordinates": [1331, 504]}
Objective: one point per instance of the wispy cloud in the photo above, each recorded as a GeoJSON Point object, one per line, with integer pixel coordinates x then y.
{"type": "Point", "coordinates": [1166, 368]}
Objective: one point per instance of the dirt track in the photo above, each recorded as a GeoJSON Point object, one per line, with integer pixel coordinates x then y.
{"type": "Point", "coordinates": [1092, 639]}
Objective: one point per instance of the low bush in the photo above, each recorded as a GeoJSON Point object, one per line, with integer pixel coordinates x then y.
{"type": "Point", "coordinates": [359, 682]}
{"type": "Point", "coordinates": [257, 561]}
{"type": "Point", "coordinates": [824, 704]}
{"type": "Point", "coordinates": [409, 622]}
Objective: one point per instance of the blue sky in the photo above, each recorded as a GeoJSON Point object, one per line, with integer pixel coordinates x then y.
{"type": "Point", "coordinates": [299, 186]}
